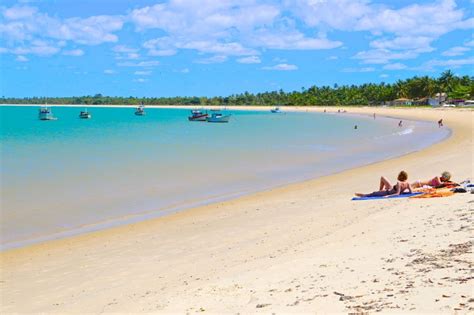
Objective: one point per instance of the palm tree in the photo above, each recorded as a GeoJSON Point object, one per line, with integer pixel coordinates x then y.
{"type": "Point", "coordinates": [446, 81]}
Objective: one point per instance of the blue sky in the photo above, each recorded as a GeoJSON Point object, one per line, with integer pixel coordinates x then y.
{"type": "Point", "coordinates": [221, 47]}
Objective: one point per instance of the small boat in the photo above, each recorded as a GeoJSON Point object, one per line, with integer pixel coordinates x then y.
{"type": "Point", "coordinates": [197, 115]}
{"type": "Point", "coordinates": [45, 114]}
{"type": "Point", "coordinates": [218, 118]}
{"type": "Point", "coordinates": [85, 115]}
{"type": "Point", "coordinates": [140, 111]}
{"type": "Point", "coordinates": [276, 110]}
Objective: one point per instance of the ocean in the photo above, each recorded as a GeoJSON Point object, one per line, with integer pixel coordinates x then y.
{"type": "Point", "coordinates": [71, 175]}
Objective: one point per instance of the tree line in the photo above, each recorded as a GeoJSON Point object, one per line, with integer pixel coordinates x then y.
{"type": "Point", "coordinates": [456, 87]}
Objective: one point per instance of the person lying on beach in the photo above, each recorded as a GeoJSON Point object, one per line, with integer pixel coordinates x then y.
{"type": "Point", "coordinates": [434, 182]}
{"type": "Point", "coordinates": [386, 189]}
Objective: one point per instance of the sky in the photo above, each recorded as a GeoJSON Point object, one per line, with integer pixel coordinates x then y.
{"type": "Point", "coordinates": [148, 48]}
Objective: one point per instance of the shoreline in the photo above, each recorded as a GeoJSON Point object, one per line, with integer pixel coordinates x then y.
{"type": "Point", "coordinates": [307, 217]}
{"type": "Point", "coordinates": [138, 217]}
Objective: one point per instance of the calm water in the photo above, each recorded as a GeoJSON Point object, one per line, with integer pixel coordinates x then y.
{"type": "Point", "coordinates": [70, 175]}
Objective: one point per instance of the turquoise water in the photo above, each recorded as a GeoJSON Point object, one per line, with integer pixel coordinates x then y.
{"type": "Point", "coordinates": [70, 175]}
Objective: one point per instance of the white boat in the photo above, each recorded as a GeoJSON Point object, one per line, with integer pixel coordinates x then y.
{"type": "Point", "coordinates": [140, 111]}
{"type": "Point", "coordinates": [218, 118]}
{"type": "Point", "coordinates": [85, 114]}
{"type": "Point", "coordinates": [45, 114]}
{"type": "Point", "coordinates": [197, 115]}
{"type": "Point", "coordinates": [276, 110]}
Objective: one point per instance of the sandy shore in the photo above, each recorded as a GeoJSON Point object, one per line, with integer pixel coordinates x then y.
{"type": "Point", "coordinates": [305, 247]}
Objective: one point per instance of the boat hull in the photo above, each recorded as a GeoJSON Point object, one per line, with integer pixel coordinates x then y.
{"type": "Point", "coordinates": [198, 118]}
{"type": "Point", "coordinates": [222, 119]}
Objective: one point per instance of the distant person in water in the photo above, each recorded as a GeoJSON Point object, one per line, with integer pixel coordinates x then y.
{"type": "Point", "coordinates": [386, 189]}
{"type": "Point", "coordinates": [374, 115]}
{"type": "Point", "coordinates": [440, 123]}
{"type": "Point", "coordinates": [355, 127]}
{"type": "Point", "coordinates": [400, 124]}
{"type": "Point", "coordinates": [435, 181]}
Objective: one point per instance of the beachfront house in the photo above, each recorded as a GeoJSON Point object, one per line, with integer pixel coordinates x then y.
{"type": "Point", "coordinates": [402, 101]}
{"type": "Point", "coordinates": [438, 99]}
{"type": "Point", "coordinates": [421, 101]}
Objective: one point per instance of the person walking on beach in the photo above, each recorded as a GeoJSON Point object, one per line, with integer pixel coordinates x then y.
{"type": "Point", "coordinates": [386, 189]}
{"type": "Point", "coordinates": [374, 115]}
{"type": "Point", "coordinates": [440, 123]}
{"type": "Point", "coordinates": [400, 123]}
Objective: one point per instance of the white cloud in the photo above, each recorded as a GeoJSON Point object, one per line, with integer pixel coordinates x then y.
{"type": "Point", "coordinates": [282, 67]}
{"type": "Point", "coordinates": [249, 60]}
{"type": "Point", "coordinates": [93, 30]}
{"type": "Point", "coordinates": [167, 46]}
{"type": "Point", "coordinates": [36, 47]}
{"type": "Point", "coordinates": [74, 52]}
{"type": "Point", "coordinates": [206, 17]}
{"type": "Point", "coordinates": [110, 71]}
{"type": "Point", "coordinates": [185, 70]}
{"type": "Point", "coordinates": [333, 14]}
{"type": "Point", "coordinates": [456, 51]}
{"type": "Point", "coordinates": [124, 49]}
{"type": "Point", "coordinates": [140, 80]}
{"type": "Point", "coordinates": [17, 13]}
{"type": "Point", "coordinates": [416, 43]}
{"type": "Point", "coordinates": [450, 63]}
{"type": "Point", "coordinates": [365, 69]}
{"type": "Point", "coordinates": [227, 28]}
{"type": "Point", "coordinates": [21, 58]}
{"type": "Point", "coordinates": [382, 56]}
{"type": "Point", "coordinates": [213, 59]}
{"type": "Point", "coordinates": [395, 66]}
{"type": "Point", "coordinates": [332, 58]}
{"type": "Point", "coordinates": [383, 75]}
{"type": "Point", "coordinates": [123, 52]}
{"type": "Point", "coordinates": [411, 28]}
{"type": "Point", "coordinates": [291, 40]}
{"type": "Point", "coordinates": [146, 64]}
{"type": "Point", "coordinates": [142, 72]}
{"type": "Point", "coordinates": [24, 24]}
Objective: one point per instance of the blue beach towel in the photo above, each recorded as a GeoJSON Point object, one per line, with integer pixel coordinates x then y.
{"type": "Point", "coordinates": [382, 197]}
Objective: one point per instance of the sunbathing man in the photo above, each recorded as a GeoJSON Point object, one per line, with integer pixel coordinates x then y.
{"type": "Point", "coordinates": [386, 189]}
{"type": "Point", "coordinates": [434, 182]}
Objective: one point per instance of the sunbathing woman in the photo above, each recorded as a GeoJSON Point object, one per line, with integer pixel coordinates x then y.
{"type": "Point", "coordinates": [434, 182]}
{"type": "Point", "coordinates": [386, 189]}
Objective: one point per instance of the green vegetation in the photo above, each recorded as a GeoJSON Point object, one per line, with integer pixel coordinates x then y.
{"type": "Point", "coordinates": [365, 94]}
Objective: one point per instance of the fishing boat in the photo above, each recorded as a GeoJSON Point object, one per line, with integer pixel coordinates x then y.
{"type": "Point", "coordinates": [85, 115]}
{"type": "Point", "coordinates": [45, 114]}
{"type": "Point", "coordinates": [140, 111]}
{"type": "Point", "coordinates": [197, 115]}
{"type": "Point", "coordinates": [276, 110]}
{"type": "Point", "coordinates": [218, 118]}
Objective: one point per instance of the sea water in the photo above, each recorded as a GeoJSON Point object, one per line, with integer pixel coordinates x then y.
{"type": "Point", "coordinates": [73, 175]}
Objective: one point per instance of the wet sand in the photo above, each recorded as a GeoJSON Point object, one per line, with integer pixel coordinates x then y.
{"type": "Point", "coordinates": [304, 247]}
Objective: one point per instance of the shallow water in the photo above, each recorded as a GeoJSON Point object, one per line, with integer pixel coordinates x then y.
{"type": "Point", "coordinates": [70, 175]}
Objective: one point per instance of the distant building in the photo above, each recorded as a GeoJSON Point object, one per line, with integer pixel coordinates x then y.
{"type": "Point", "coordinates": [422, 101]}
{"type": "Point", "coordinates": [434, 102]}
{"type": "Point", "coordinates": [402, 101]}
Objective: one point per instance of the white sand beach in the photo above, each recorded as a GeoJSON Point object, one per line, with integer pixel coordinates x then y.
{"type": "Point", "coordinates": [305, 247]}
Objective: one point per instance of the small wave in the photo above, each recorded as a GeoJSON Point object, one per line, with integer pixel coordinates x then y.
{"type": "Point", "coordinates": [404, 132]}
